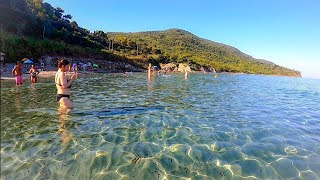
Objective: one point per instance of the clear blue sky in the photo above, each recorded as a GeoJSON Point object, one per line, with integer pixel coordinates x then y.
{"type": "Point", "coordinates": [286, 32]}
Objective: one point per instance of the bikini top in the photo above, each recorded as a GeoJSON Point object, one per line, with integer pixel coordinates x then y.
{"type": "Point", "coordinates": [60, 84]}
{"type": "Point", "coordinates": [33, 73]}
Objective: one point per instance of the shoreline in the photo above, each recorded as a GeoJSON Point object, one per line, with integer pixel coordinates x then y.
{"type": "Point", "coordinates": [51, 73]}
{"type": "Point", "coordinates": [43, 74]}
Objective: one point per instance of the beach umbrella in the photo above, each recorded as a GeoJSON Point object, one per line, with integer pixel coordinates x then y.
{"type": "Point", "coordinates": [24, 59]}
{"type": "Point", "coordinates": [28, 62]}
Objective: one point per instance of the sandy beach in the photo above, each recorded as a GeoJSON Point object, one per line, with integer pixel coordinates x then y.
{"type": "Point", "coordinates": [43, 74]}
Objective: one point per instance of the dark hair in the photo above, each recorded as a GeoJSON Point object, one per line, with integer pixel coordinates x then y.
{"type": "Point", "coordinates": [63, 63]}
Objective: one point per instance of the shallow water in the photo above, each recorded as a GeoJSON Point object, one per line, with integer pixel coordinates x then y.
{"type": "Point", "coordinates": [231, 127]}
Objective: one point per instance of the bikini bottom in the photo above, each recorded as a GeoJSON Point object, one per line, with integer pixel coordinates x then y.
{"type": "Point", "coordinates": [59, 96]}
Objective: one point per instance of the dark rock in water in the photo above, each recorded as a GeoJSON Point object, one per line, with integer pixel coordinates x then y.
{"type": "Point", "coordinates": [122, 111]}
{"type": "Point", "coordinates": [129, 110]}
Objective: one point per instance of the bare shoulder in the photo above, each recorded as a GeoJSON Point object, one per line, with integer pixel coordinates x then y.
{"type": "Point", "coordinates": [62, 75]}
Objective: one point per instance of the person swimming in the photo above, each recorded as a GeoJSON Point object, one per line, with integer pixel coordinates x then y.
{"type": "Point", "coordinates": [63, 85]}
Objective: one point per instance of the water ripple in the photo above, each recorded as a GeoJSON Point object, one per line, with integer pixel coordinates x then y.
{"type": "Point", "coordinates": [234, 126]}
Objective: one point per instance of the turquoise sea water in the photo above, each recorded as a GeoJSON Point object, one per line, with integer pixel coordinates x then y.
{"type": "Point", "coordinates": [126, 127]}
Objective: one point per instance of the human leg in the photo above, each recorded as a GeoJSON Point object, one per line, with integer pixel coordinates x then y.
{"type": "Point", "coordinates": [33, 79]}
{"type": "Point", "coordinates": [19, 80]}
{"type": "Point", "coordinates": [65, 103]}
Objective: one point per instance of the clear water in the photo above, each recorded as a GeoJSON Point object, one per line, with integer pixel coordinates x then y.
{"type": "Point", "coordinates": [231, 127]}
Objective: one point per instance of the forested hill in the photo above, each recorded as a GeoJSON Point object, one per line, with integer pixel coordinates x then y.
{"type": "Point", "coordinates": [33, 28]}
{"type": "Point", "coordinates": [176, 45]}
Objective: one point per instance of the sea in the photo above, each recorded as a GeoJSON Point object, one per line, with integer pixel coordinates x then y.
{"type": "Point", "coordinates": [129, 126]}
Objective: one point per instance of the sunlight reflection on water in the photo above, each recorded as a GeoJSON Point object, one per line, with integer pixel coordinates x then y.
{"type": "Point", "coordinates": [126, 127]}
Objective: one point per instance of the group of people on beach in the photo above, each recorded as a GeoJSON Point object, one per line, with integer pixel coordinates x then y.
{"type": "Point", "coordinates": [17, 71]}
{"type": "Point", "coordinates": [62, 80]}
{"type": "Point", "coordinates": [63, 83]}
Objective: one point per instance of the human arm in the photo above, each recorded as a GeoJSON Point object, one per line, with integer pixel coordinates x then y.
{"type": "Point", "coordinates": [64, 82]}
{"type": "Point", "coordinates": [14, 70]}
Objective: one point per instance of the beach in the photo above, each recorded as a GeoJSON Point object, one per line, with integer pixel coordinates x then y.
{"type": "Point", "coordinates": [43, 74]}
{"type": "Point", "coordinates": [7, 75]}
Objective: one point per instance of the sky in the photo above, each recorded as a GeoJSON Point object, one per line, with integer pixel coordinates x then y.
{"type": "Point", "coordinates": [286, 32]}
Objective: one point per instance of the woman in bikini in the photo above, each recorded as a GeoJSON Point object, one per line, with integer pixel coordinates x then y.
{"type": "Point", "coordinates": [33, 74]}
{"type": "Point", "coordinates": [63, 84]}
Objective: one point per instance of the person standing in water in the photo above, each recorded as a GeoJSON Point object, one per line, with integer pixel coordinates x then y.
{"type": "Point", "coordinates": [150, 72]}
{"type": "Point", "coordinates": [63, 84]}
{"type": "Point", "coordinates": [17, 72]}
{"type": "Point", "coordinates": [75, 67]}
{"type": "Point", "coordinates": [33, 74]}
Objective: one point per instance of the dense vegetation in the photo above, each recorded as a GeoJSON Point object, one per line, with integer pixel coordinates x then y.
{"type": "Point", "coordinates": [18, 47]}
{"type": "Point", "coordinates": [33, 28]}
{"type": "Point", "coordinates": [40, 20]}
{"type": "Point", "coordinates": [176, 45]}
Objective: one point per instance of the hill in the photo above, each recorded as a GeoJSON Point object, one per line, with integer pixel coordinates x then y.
{"type": "Point", "coordinates": [180, 46]}
{"type": "Point", "coordinates": [34, 28]}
